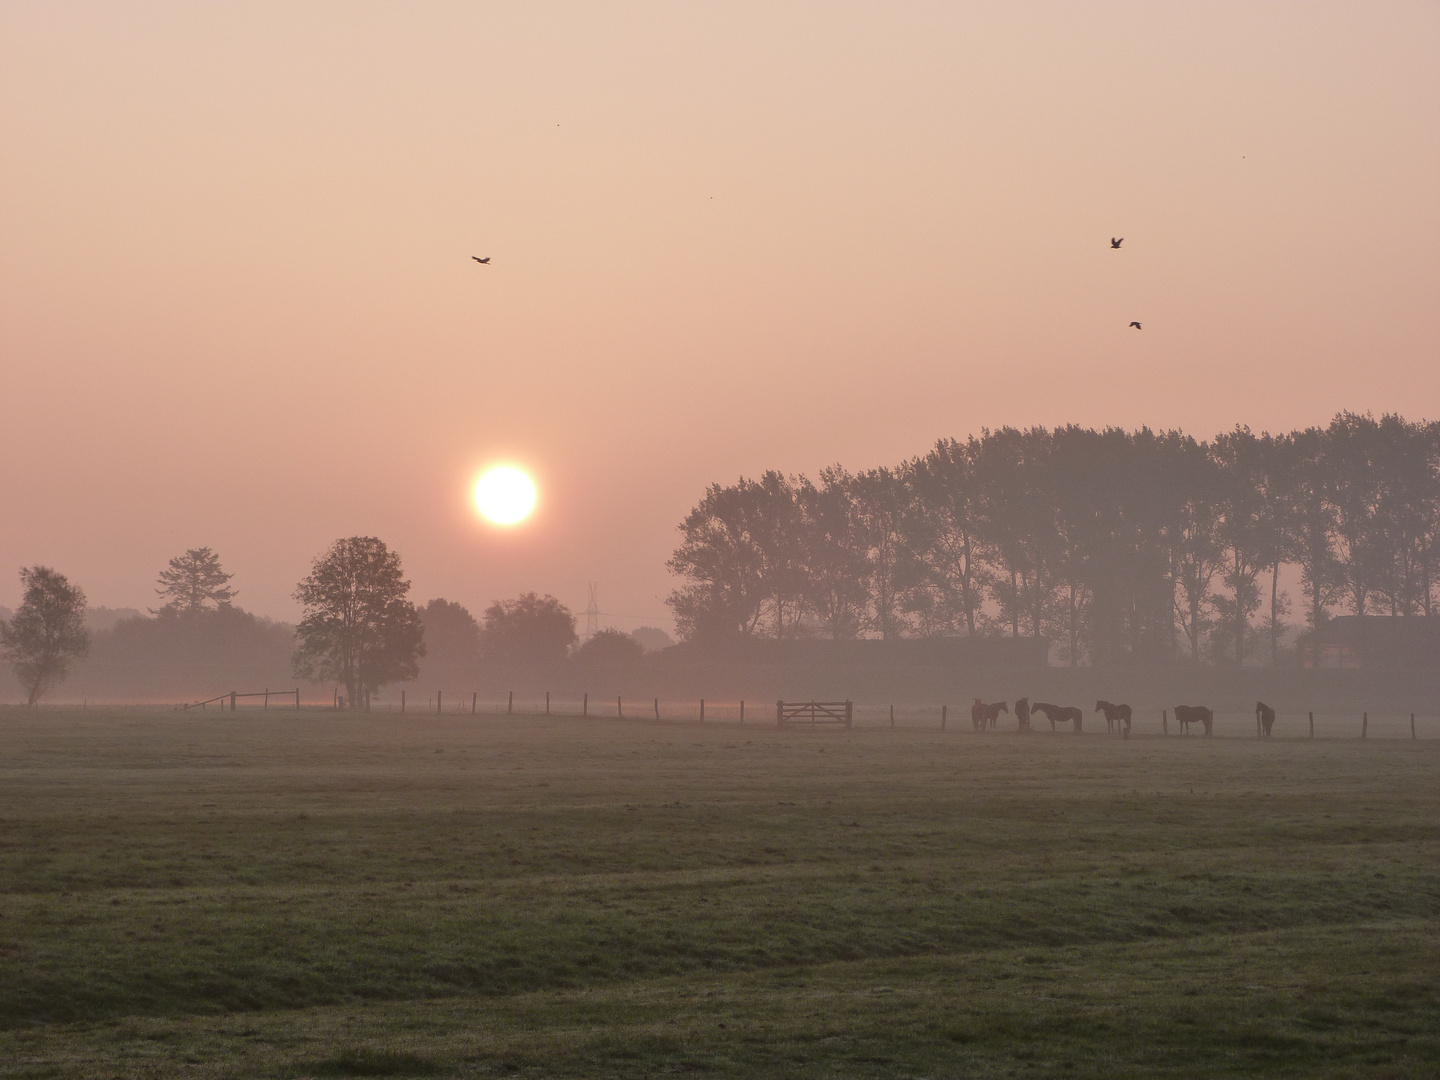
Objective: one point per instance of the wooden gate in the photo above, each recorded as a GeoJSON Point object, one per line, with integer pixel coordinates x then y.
{"type": "Point", "coordinates": [814, 713]}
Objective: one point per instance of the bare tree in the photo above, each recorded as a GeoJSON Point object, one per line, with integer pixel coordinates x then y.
{"type": "Point", "coordinates": [47, 632]}
{"type": "Point", "coordinates": [194, 582]}
{"type": "Point", "coordinates": [358, 627]}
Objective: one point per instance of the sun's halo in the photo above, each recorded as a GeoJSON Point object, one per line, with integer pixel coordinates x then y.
{"type": "Point", "coordinates": [505, 495]}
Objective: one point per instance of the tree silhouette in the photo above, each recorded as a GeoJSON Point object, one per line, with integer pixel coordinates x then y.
{"type": "Point", "coordinates": [194, 582]}
{"type": "Point", "coordinates": [47, 632]}
{"type": "Point", "coordinates": [358, 627]}
{"type": "Point", "coordinates": [529, 629]}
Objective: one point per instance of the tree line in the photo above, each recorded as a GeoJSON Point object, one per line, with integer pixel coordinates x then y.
{"type": "Point", "coordinates": [359, 627]}
{"type": "Point", "coordinates": [1115, 545]}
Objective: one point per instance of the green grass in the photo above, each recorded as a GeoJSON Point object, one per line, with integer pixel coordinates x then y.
{"type": "Point", "coordinates": [297, 895]}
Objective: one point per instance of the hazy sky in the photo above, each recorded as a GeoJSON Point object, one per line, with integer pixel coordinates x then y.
{"type": "Point", "coordinates": [237, 306]}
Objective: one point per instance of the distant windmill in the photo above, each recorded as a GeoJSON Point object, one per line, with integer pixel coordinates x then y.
{"type": "Point", "coordinates": [1115, 243]}
{"type": "Point", "coordinates": [484, 262]}
{"type": "Point", "coordinates": [1136, 325]}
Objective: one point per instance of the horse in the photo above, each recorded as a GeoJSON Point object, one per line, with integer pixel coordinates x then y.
{"type": "Point", "coordinates": [1186, 715]}
{"type": "Point", "coordinates": [1022, 714]}
{"type": "Point", "coordinates": [982, 714]}
{"type": "Point", "coordinates": [1264, 720]}
{"type": "Point", "coordinates": [1115, 715]}
{"type": "Point", "coordinates": [1060, 713]}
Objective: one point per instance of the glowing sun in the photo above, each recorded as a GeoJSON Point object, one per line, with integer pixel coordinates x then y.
{"type": "Point", "coordinates": [505, 495]}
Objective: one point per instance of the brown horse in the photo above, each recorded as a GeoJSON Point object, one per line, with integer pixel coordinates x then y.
{"type": "Point", "coordinates": [1022, 714]}
{"type": "Point", "coordinates": [1186, 715]}
{"type": "Point", "coordinates": [1264, 720]}
{"type": "Point", "coordinates": [1115, 716]}
{"type": "Point", "coordinates": [1060, 713]}
{"type": "Point", "coordinates": [983, 715]}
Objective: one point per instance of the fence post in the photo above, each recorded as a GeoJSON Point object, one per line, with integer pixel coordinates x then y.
{"type": "Point", "coordinates": [510, 703]}
{"type": "Point", "coordinates": [780, 713]}
{"type": "Point", "coordinates": [297, 697]}
{"type": "Point", "coordinates": [547, 702]}
{"type": "Point", "coordinates": [944, 710]}
{"type": "Point", "coordinates": [892, 717]}
{"type": "Point", "coordinates": [402, 701]}
{"type": "Point", "coordinates": [1412, 725]}
{"type": "Point", "coordinates": [232, 700]}
{"type": "Point", "coordinates": [1364, 724]}
{"type": "Point", "coordinates": [267, 698]}
{"type": "Point", "coordinates": [439, 701]}
{"type": "Point", "coordinates": [1312, 725]}
{"type": "Point", "coordinates": [702, 710]}
{"type": "Point", "coordinates": [585, 706]}
{"type": "Point", "coordinates": [742, 710]}
{"type": "Point", "coordinates": [657, 708]}
{"type": "Point", "coordinates": [619, 707]}
{"type": "Point", "coordinates": [1164, 721]}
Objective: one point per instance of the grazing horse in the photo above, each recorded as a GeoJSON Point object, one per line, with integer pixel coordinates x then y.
{"type": "Point", "coordinates": [1186, 715]}
{"type": "Point", "coordinates": [1022, 714]}
{"type": "Point", "coordinates": [1264, 720]}
{"type": "Point", "coordinates": [1115, 716]}
{"type": "Point", "coordinates": [1060, 713]}
{"type": "Point", "coordinates": [983, 715]}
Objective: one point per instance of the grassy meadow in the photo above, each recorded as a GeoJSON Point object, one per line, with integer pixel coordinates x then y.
{"type": "Point", "coordinates": [312, 894]}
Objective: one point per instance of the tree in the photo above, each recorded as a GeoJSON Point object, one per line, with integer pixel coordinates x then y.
{"type": "Point", "coordinates": [722, 558]}
{"type": "Point", "coordinates": [1192, 539]}
{"type": "Point", "coordinates": [832, 555]}
{"type": "Point", "coordinates": [610, 646]}
{"type": "Point", "coordinates": [529, 629]}
{"type": "Point", "coordinates": [47, 632]}
{"type": "Point", "coordinates": [452, 636]}
{"type": "Point", "coordinates": [358, 627]}
{"type": "Point", "coordinates": [1247, 530]}
{"type": "Point", "coordinates": [194, 582]}
{"type": "Point", "coordinates": [944, 529]}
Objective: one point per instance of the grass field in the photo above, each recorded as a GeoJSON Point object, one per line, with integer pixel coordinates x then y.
{"type": "Point", "coordinates": [310, 894]}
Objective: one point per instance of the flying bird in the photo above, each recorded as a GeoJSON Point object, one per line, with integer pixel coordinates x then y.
{"type": "Point", "coordinates": [485, 261]}
{"type": "Point", "coordinates": [1136, 325]}
{"type": "Point", "coordinates": [1115, 243]}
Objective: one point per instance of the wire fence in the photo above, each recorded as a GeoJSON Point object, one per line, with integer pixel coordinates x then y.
{"type": "Point", "coordinates": [1148, 721]}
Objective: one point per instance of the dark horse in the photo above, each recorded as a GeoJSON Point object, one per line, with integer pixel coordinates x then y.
{"type": "Point", "coordinates": [1059, 713]}
{"type": "Point", "coordinates": [1264, 720]}
{"type": "Point", "coordinates": [1022, 714]}
{"type": "Point", "coordinates": [1194, 714]}
{"type": "Point", "coordinates": [1115, 717]}
{"type": "Point", "coordinates": [982, 715]}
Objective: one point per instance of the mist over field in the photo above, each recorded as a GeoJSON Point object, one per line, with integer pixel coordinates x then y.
{"type": "Point", "coordinates": [783, 539]}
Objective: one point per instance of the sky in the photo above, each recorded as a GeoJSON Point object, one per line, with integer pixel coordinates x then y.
{"type": "Point", "coordinates": [238, 307]}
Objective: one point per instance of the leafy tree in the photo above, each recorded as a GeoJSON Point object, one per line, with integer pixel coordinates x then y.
{"type": "Point", "coordinates": [723, 559]}
{"type": "Point", "coordinates": [832, 555]}
{"type": "Point", "coordinates": [194, 582]}
{"type": "Point", "coordinates": [358, 627]}
{"type": "Point", "coordinates": [452, 636]}
{"type": "Point", "coordinates": [610, 646]}
{"type": "Point", "coordinates": [944, 530]}
{"type": "Point", "coordinates": [1309, 520]}
{"type": "Point", "coordinates": [529, 629]}
{"type": "Point", "coordinates": [1193, 541]}
{"type": "Point", "coordinates": [651, 638]}
{"type": "Point", "coordinates": [47, 632]}
{"type": "Point", "coordinates": [881, 502]}
{"type": "Point", "coordinates": [1247, 530]}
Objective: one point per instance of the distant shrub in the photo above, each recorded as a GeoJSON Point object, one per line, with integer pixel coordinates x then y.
{"type": "Point", "coordinates": [609, 646]}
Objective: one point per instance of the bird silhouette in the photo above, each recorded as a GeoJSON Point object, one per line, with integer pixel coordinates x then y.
{"type": "Point", "coordinates": [484, 262]}
{"type": "Point", "coordinates": [1136, 325]}
{"type": "Point", "coordinates": [1114, 243]}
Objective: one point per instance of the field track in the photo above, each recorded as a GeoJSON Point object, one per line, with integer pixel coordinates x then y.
{"type": "Point", "coordinates": [313, 894]}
